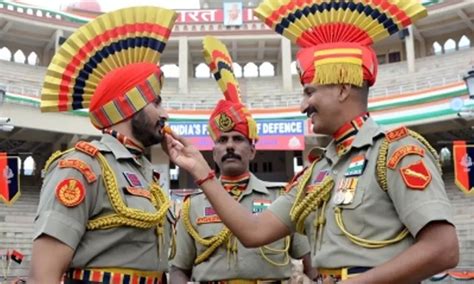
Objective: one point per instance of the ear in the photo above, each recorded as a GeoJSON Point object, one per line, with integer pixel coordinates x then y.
{"type": "Point", "coordinates": [344, 92]}
{"type": "Point", "coordinates": [253, 151]}
{"type": "Point", "coordinates": [214, 154]}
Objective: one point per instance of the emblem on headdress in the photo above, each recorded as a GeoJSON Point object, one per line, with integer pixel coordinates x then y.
{"type": "Point", "coordinates": [224, 122]}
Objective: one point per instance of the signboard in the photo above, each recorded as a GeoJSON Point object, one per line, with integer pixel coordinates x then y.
{"type": "Point", "coordinates": [213, 15]}
{"type": "Point", "coordinates": [274, 134]}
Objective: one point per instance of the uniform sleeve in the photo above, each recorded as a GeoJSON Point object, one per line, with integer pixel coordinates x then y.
{"type": "Point", "coordinates": [417, 189]}
{"type": "Point", "coordinates": [185, 248]}
{"type": "Point", "coordinates": [299, 246]}
{"type": "Point", "coordinates": [281, 208]}
{"type": "Point", "coordinates": [53, 218]}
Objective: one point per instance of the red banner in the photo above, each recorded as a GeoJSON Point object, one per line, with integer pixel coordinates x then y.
{"type": "Point", "coordinates": [463, 155]}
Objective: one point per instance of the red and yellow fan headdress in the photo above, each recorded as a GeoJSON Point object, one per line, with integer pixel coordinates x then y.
{"type": "Point", "coordinates": [230, 114]}
{"type": "Point", "coordinates": [110, 65]}
{"type": "Point", "coordinates": [335, 35]}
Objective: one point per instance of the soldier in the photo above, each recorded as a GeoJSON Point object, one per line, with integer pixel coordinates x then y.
{"type": "Point", "coordinates": [206, 251]}
{"type": "Point", "coordinates": [374, 205]}
{"type": "Point", "coordinates": [102, 216]}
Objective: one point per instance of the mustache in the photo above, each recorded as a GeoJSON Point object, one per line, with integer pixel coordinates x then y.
{"type": "Point", "coordinates": [230, 155]}
{"type": "Point", "coordinates": [309, 111]}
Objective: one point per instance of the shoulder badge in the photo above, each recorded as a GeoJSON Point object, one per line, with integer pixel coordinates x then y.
{"type": "Point", "coordinates": [81, 166]}
{"type": "Point", "coordinates": [87, 148]}
{"type": "Point", "coordinates": [403, 151]}
{"type": "Point", "coordinates": [70, 192]}
{"type": "Point", "coordinates": [396, 134]}
{"type": "Point", "coordinates": [416, 175]}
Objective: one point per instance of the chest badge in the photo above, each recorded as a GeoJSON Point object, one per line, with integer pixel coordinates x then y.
{"type": "Point", "coordinates": [356, 166]}
{"type": "Point", "coordinates": [345, 191]}
{"type": "Point", "coordinates": [319, 177]}
{"type": "Point", "coordinates": [260, 205]}
{"type": "Point", "coordinates": [132, 179]}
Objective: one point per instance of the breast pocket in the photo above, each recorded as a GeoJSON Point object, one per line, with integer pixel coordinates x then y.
{"type": "Point", "coordinates": [208, 233]}
{"type": "Point", "coordinates": [350, 215]}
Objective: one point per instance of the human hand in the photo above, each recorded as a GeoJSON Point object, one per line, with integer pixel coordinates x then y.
{"type": "Point", "coordinates": [185, 155]}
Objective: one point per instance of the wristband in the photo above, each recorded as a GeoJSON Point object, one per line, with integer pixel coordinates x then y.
{"type": "Point", "coordinates": [210, 175]}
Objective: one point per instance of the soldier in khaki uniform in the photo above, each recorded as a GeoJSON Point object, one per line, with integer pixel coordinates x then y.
{"type": "Point", "coordinates": [373, 205]}
{"type": "Point", "coordinates": [102, 216]}
{"type": "Point", "coordinates": [206, 251]}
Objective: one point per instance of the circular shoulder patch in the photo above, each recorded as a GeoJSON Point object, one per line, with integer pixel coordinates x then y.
{"type": "Point", "coordinates": [70, 192]}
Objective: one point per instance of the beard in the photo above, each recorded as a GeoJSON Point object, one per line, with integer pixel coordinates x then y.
{"type": "Point", "coordinates": [145, 130]}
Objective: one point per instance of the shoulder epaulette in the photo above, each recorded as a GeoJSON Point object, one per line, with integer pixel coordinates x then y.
{"type": "Point", "coordinates": [86, 148]}
{"type": "Point", "coordinates": [56, 155]}
{"type": "Point", "coordinates": [397, 133]}
{"type": "Point", "coordinates": [189, 195]}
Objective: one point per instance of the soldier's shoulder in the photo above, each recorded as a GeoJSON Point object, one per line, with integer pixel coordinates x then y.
{"type": "Point", "coordinates": [81, 157]}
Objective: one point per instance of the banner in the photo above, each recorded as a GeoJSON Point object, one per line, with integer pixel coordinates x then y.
{"type": "Point", "coordinates": [463, 156]}
{"type": "Point", "coordinates": [9, 178]}
{"type": "Point", "coordinates": [282, 134]}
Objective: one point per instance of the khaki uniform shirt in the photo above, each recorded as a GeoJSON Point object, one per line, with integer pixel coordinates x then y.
{"type": "Point", "coordinates": [373, 214]}
{"type": "Point", "coordinates": [123, 246]}
{"type": "Point", "coordinates": [248, 263]}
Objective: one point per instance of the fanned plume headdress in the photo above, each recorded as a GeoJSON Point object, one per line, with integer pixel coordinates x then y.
{"type": "Point", "coordinates": [110, 65]}
{"type": "Point", "coordinates": [230, 114]}
{"type": "Point", "coordinates": [335, 36]}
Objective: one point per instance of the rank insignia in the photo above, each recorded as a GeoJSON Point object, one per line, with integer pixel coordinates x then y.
{"type": "Point", "coordinates": [224, 122]}
{"type": "Point", "coordinates": [345, 191]}
{"type": "Point", "coordinates": [133, 179]}
{"type": "Point", "coordinates": [70, 192]}
{"type": "Point", "coordinates": [259, 205]}
{"type": "Point", "coordinates": [208, 211]}
{"type": "Point", "coordinates": [356, 166]}
{"type": "Point", "coordinates": [416, 175]}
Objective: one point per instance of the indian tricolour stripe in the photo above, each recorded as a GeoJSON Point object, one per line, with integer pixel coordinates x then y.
{"type": "Point", "coordinates": [356, 167]}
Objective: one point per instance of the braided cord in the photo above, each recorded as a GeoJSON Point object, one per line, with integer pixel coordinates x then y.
{"type": "Point", "coordinates": [286, 260]}
{"type": "Point", "coordinates": [129, 216]}
{"type": "Point", "coordinates": [211, 243]}
{"type": "Point", "coordinates": [365, 242]}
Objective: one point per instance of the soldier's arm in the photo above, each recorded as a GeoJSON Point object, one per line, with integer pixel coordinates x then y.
{"type": "Point", "coordinates": [252, 230]}
{"type": "Point", "coordinates": [435, 250]}
{"type": "Point", "coordinates": [50, 259]}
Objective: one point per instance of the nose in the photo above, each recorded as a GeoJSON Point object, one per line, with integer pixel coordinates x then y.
{"type": "Point", "coordinates": [304, 104]}
{"type": "Point", "coordinates": [163, 113]}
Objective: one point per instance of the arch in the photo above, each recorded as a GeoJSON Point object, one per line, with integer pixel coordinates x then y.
{"type": "Point", "coordinates": [19, 56]}
{"type": "Point", "coordinates": [237, 69]}
{"type": "Point", "coordinates": [5, 54]}
{"type": "Point", "coordinates": [202, 71]}
{"type": "Point", "coordinates": [32, 58]}
{"type": "Point", "coordinates": [29, 166]}
{"type": "Point", "coordinates": [266, 69]}
{"type": "Point", "coordinates": [293, 69]}
{"type": "Point", "coordinates": [449, 45]}
{"type": "Point", "coordinates": [464, 42]}
{"type": "Point", "coordinates": [437, 48]}
{"type": "Point", "coordinates": [250, 70]}
{"type": "Point", "coordinates": [170, 70]}
{"type": "Point", "coordinates": [39, 13]}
